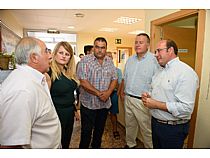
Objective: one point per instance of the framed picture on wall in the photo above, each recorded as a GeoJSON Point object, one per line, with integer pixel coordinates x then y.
{"type": "Point", "coordinates": [8, 39]}
{"type": "Point", "coordinates": [123, 54]}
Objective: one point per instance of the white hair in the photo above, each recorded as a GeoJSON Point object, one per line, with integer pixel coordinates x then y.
{"type": "Point", "coordinates": [25, 47]}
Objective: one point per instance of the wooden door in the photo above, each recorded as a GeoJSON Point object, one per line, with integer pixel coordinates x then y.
{"type": "Point", "coordinates": [185, 39]}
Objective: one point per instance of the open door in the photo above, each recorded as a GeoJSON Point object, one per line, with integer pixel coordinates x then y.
{"type": "Point", "coordinates": [190, 44]}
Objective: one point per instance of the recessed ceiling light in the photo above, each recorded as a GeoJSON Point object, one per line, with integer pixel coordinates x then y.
{"type": "Point", "coordinates": [71, 27]}
{"type": "Point", "coordinates": [108, 29]}
{"type": "Point", "coordinates": [79, 15]}
{"type": "Point", "coordinates": [136, 32]}
{"type": "Point", "coordinates": [127, 20]}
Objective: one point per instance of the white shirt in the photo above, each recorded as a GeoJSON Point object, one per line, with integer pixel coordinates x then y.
{"type": "Point", "coordinates": [27, 114]}
{"type": "Point", "coordinates": [176, 84]}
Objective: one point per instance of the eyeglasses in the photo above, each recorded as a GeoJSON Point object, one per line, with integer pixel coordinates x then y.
{"type": "Point", "coordinates": [159, 49]}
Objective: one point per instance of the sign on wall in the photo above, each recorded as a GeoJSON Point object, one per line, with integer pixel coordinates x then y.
{"type": "Point", "coordinates": [118, 41]}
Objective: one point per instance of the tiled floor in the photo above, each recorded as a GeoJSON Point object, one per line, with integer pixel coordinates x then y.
{"type": "Point", "coordinates": [107, 140]}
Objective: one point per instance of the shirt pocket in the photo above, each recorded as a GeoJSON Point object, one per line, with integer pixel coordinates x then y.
{"type": "Point", "coordinates": [146, 77]}
{"type": "Point", "coordinates": [168, 88]}
{"type": "Point", "coordinates": [107, 74]}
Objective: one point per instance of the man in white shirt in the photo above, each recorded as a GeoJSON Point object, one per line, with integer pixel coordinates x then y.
{"type": "Point", "coordinates": [27, 115]}
{"type": "Point", "coordinates": [172, 97]}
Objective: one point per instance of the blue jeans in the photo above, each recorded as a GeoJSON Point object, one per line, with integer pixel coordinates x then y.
{"type": "Point", "coordinates": [92, 121]}
{"type": "Point", "coordinates": [166, 136]}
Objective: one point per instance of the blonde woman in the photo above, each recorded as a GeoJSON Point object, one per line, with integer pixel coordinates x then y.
{"type": "Point", "coordinates": [63, 85]}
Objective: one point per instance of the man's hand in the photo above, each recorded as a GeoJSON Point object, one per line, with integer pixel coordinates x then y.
{"type": "Point", "coordinates": [104, 95]}
{"type": "Point", "coordinates": [152, 103]}
{"type": "Point", "coordinates": [122, 96]}
{"type": "Point", "coordinates": [148, 101]}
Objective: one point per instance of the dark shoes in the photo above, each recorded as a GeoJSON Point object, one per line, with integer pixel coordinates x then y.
{"type": "Point", "coordinates": [116, 135]}
{"type": "Point", "coordinates": [127, 147]}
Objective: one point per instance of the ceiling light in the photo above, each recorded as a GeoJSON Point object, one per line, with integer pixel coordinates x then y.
{"type": "Point", "coordinates": [127, 20]}
{"type": "Point", "coordinates": [108, 29]}
{"type": "Point", "coordinates": [136, 32]}
{"type": "Point", "coordinates": [71, 27]}
{"type": "Point", "coordinates": [79, 15]}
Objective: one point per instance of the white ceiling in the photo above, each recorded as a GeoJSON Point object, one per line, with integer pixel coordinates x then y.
{"type": "Point", "coordinates": [93, 20]}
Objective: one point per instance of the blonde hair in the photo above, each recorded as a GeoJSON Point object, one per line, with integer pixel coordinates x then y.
{"type": "Point", "coordinates": [70, 68]}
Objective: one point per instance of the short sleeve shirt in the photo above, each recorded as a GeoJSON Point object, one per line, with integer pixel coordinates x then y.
{"type": "Point", "coordinates": [99, 76]}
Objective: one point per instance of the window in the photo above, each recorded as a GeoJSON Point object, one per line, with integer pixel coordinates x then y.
{"type": "Point", "coordinates": [51, 39]}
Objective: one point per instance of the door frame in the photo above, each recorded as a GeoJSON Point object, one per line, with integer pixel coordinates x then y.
{"type": "Point", "coordinates": [155, 24]}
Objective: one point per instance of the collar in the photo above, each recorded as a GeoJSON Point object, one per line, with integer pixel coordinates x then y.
{"type": "Point", "coordinates": [105, 58]}
{"type": "Point", "coordinates": [144, 56]}
{"type": "Point", "coordinates": [171, 62]}
{"type": "Point", "coordinates": [38, 76]}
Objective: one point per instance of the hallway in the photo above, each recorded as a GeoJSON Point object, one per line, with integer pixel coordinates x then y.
{"type": "Point", "coordinates": [108, 140]}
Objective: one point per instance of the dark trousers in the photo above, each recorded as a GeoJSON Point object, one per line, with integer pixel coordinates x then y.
{"type": "Point", "coordinates": [166, 136]}
{"type": "Point", "coordinates": [92, 121]}
{"type": "Point", "coordinates": [66, 117]}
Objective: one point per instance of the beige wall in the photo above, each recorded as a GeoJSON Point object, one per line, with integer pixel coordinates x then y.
{"type": "Point", "coordinates": [152, 14]}
{"type": "Point", "coordinates": [11, 22]}
{"type": "Point", "coordinates": [202, 131]}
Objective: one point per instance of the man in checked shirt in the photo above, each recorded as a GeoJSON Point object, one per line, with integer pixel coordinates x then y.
{"type": "Point", "coordinates": [98, 78]}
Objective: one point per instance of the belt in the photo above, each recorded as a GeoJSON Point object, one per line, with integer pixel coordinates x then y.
{"type": "Point", "coordinates": [170, 122]}
{"type": "Point", "coordinates": [133, 96]}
